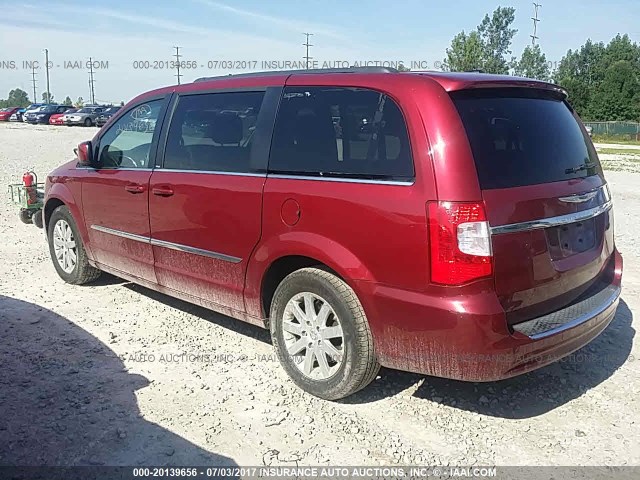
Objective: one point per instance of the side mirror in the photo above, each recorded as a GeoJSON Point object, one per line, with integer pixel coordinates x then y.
{"type": "Point", "coordinates": [84, 152]}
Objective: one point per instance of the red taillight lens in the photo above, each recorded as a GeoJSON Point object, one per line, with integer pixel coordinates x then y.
{"type": "Point", "coordinates": [459, 242]}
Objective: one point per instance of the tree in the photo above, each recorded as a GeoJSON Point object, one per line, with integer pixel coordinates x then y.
{"type": "Point", "coordinates": [79, 102]}
{"type": "Point", "coordinates": [49, 100]}
{"type": "Point", "coordinates": [486, 47]}
{"type": "Point", "coordinates": [588, 76]}
{"type": "Point", "coordinates": [532, 64]}
{"type": "Point", "coordinates": [402, 68]}
{"type": "Point", "coordinates": [579, 95]}
{"type": "Point", "coordinates": [68, 101]}
{"type": "Point", "coordinates": [465, 53]}
{"type": "Point", "coordinates": [618, 94]}
{"type": "Point", "coordinates": [496, 38]}
{"type": "Point", "coordinates": [18, 98]}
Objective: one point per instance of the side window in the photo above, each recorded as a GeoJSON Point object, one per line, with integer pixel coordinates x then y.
{"type": "Point", "coordinates": [127, 143]}
{"type": "Point", "coordinates": [343, 132]}
{"type": "Point", "coordinates": [213, 132]}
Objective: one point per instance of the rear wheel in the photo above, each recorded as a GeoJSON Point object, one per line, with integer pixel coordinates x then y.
{"type": "Point", "coordinates": [87, 122]}
{"type": "Point", "coordinates": [67, 251]}
{"type": "Point", "coordinates": [321, 334]}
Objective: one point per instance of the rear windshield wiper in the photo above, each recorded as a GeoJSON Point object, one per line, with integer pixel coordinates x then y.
{"type": "Point", "coordinates": [584, 166]}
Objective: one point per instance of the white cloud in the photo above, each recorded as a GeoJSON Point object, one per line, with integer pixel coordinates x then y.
{"type": "Point", "coordinates": [298, 26]}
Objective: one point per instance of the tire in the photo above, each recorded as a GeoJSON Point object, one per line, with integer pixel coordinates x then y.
{"type": "Point", "coordinates": [36, 218]}
{"type": "Point", "coordinates": [81, 272]}
{"type": "Point", "coordinates": [25, 216]}
{"type": "Point", "coordinates": [88, 122]}
{"type": "Point", "coordinates": [352, 363]}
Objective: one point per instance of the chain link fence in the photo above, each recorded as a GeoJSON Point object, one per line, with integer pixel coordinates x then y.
{"type": "Point", "coordinates": [616, 130]}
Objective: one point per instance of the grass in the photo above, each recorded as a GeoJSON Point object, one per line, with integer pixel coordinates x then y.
{"type": "Point", "coordinates": [620, 151]}
{"type": "Point", "coordinates": [623, 140]}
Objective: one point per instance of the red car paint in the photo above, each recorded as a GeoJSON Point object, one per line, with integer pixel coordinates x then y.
{"type": "Point", "coordinates": [375, 235]}
{"type": "Point", "coordinates": [5, 113]}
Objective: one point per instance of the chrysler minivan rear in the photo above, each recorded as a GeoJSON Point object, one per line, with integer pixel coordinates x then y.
{"type": "Point", "coordinates": [523, 265]}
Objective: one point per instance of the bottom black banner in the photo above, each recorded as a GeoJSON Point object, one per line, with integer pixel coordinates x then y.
{"type": "Point", "coordinates": [318, 472]}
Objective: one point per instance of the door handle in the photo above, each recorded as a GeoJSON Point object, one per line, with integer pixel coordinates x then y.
{"type": "Point", "coordinates": [162, 191]}
{"type": "Point", "coordinates": [134, 188]}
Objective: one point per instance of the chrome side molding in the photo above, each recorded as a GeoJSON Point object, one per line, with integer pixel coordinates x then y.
{"type": "Point", "coordinates": [164, 244]}
{"type": "Point", "coordinates": [118, 233]}
{"type": "Point", "coordinates": [194, 251]}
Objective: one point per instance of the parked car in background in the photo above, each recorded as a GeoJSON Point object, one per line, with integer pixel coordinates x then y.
{"type": "Point", "coordinates": [85, 116]}
{"type": "Point", "coordinates": [42, 114]}
{"type": "Point", "coordinates": [444, 238]}
{"type": "Point", "coordinates": [5, 113]}
{"type": "Point", "coordinates": [106, 115]}
{"type": "Point", "coordinates": [17, 116]}
{"type": "Point", "coordinates": [58, 118]}
{"type": "Point", "coordinates": [31, 109]}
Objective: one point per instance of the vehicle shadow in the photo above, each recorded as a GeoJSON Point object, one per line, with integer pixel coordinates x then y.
{"type": "Point", "coordinates": [525, 396]}
{"type": "Point", "coordinates": [66, 399]}
{"type": "Point", "coordinates": [229, 323]}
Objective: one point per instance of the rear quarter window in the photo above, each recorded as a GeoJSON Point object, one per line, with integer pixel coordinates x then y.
{"type": "Point", "coordinates": [524, 137]}
{"type": "Point", "coordinates": [340, 132]}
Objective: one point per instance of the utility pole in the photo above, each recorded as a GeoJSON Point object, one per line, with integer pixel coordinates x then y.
{"type": "Point", "coordinates": [307, 44]}
{"type": "Point", "coordinates": [33, 81]}
{"type": "Point", "coordinates": [535, 19]}
{"type": "Point", "coordinates": [92, 91]}
{"type": "Point", "coordinates": [46, 56]}
{"type": "Point", "coordinates": [177, 55]}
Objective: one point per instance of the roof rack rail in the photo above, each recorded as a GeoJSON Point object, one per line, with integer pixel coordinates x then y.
{"type": "Point", "coordinates": [299, 72]}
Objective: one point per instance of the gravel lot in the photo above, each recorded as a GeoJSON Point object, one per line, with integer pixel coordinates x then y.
{"type": "Point", "coordinates": [102, 375]}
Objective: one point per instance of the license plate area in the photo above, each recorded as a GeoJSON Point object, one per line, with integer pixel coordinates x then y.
{"type": "Point", "coordinates": [570, 239]}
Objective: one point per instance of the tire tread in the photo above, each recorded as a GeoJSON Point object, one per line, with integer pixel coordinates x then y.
{"type": "Point", "coordinates": [366, 366]}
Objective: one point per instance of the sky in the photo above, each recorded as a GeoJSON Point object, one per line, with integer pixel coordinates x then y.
{"type": "Point", "coordinates": [132, 42]}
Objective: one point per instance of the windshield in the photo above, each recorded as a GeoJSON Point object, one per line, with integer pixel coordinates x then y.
{"type": "Point", "coordinates": [112, 110]}
{"type": "Point", "coordinates": [524, 137]}
{"type": "Point", "coordinates": [86, 110]}
{"type": "Point", "coordinates": [48, 108]}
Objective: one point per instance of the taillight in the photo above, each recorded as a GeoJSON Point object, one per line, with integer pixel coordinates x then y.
{"type": "Point", "coordinates": [459, 242]}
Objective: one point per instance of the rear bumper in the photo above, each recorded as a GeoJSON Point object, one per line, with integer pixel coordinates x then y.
{"type": "Point", "coordinates": [466, 337]}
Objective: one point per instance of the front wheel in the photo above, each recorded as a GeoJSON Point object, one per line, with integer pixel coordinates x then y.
{"type": "Point", "coordinates": [67, 251]}
{"type": "Point", "coordinates": [87, 122]}
{"type": "Point", "coordinates": [321, 334]}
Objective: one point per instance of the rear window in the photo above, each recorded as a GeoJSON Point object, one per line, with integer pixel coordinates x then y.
{"type": "Point", "coordinates": [524, 137]}
{"type": "Point", "coordinates": [340, 132]}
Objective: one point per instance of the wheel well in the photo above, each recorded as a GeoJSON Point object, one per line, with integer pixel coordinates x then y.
{"type": "Point", "coordinates": [48, 211]}
{"type": "Point", "coordinates": [279, 269]}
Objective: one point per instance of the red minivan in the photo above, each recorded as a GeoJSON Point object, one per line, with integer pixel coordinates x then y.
{"type": "Point", "coordinates": [451, 224]}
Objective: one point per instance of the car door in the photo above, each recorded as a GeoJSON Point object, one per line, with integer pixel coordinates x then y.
{"type": "Point", "coordinates": [115, 196]}
{"type": "Point", "coordinates": [205, 202]}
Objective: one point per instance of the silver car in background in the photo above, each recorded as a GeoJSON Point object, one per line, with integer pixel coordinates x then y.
{"type": "Point", "coordinates": [85, 116]}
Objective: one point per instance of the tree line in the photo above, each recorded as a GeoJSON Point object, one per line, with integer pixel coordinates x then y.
{"type": "Point", "coordinates": [20, 98]}
{"type": "Point", "coordinates": [602, 79]}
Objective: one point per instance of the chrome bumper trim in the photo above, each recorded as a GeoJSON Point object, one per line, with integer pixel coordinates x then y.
{"type": "Point", "coordinates": [571, 316]}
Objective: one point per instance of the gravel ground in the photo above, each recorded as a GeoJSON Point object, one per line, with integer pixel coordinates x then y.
{"type": "Point", "coordinates": [116, 374]}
